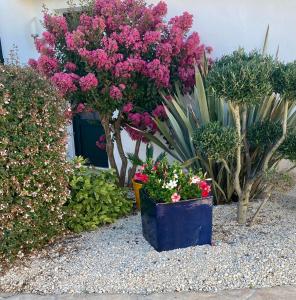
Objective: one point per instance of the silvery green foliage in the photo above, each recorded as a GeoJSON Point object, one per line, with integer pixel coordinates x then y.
{"type": "Point", "coordinates": [215, 141]}
{"type": "Point", "coordinates": [241, 77]}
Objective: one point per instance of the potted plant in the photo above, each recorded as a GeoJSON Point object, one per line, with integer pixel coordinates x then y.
{"type": "Point", "coordinates": [140, 177]}
{"type": "Point", "coordinates": [176, 206]}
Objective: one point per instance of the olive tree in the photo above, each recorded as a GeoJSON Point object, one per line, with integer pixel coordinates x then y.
{"type": "Point", "coordinates": [260, 93]}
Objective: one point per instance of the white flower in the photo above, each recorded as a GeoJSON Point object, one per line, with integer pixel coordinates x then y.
{"type": "Point", "coordinates": [115, 114]}
{"type": "Point", "coordinates": [176, 176]}
{"type": "Point", "coordinates": [172, 184]}
{"type": "Point", "coordinates": [195, 180]}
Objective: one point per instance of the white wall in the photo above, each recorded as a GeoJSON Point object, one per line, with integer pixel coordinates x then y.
{"type": "Point", "coordinates": [227, 24]}
{"type": "Point", "coordinates": [222, 24]}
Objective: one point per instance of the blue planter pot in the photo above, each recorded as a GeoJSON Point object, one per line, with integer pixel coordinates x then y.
{"type": "Point", "coordinates": [168, 226]}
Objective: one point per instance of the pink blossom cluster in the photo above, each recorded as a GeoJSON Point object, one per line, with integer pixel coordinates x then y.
{"type": "Point", "coordinates": [143, 121]}
{"type": "Point", "coordinates": [64, 82]}
{"type": "Point", "coordinates": [120, 45]}
{"type": "Point", "coordinates": [88, 82]}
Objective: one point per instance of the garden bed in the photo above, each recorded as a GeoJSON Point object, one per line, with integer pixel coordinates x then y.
{"type": "Point", "coordinates": [117, 259]}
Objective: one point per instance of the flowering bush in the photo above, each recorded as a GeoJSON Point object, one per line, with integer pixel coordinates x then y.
{"type": "Point", "coordinates": [117, 55]}
{"type": "Point", "coordinates": [33, 167]}
{"type": "Point", "coordinates": [171, 183]}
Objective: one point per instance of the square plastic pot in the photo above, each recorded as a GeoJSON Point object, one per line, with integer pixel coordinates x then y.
{"type": "Point", "coordinates": [169, 226]}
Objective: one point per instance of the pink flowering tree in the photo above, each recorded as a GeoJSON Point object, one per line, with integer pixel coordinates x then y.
{"type": "Point", "coordinates": [118, 55]}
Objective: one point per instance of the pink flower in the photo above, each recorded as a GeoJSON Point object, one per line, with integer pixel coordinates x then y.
{"type": "Point", "coordinates": [71, 67]}
{"type": "Point", "coordinates": [195, 180]}
{"type": "Point", "coordinates": [122, 86]}
{"type": "Point", "coordinates": [160, 9]}
{"type": "Point", "coordinates": [175, 197]}
{"type": "Point", "coordinates": [135, 135]}
{"type": "Point", "coordinates": [80, 108]}
{"type": "Point", "coordinates": [184, 22]}
{"type": "Point", "coordinates": [151, 37]}
{"type": "Point", "coordinates": [98, 57]}
{"type": "Point", "coordinates": [49, 38]}
{"type": "Point", "coordinates": [159, 72]}
{"type": "Point", "coordinates": [101, 146]}
{"type": "Point", "coordinates": [56, 24]}
{"type": "Point", "coordinates": [75, 40]}
{"type": "Point", "coordinates": [141, 177]}
{"type": "Point", "coordinates": [115, 92]}
{"type": "Point", "coordinates": [128, 107]}
{"type": "Point", "coordinates": [159, 112]}
{"type": "Point", "coordinates": [88, 82]}
{"type": "Point", "coordinates": [135, 119]}
{"type": "Point", "coordinates": [32, 63]}
{"type": "Point", "coordinates": [110, 44]}
{"type": "Point", "coordinates": [143, 167]}
{"type": "Point", "coordinates": [47, 65]}
{"type": "Point", "coordinates": [64, 82]}
{"type": "Point", "coordinates": [98, 23]}
{"type": "Point", "coordinates": [164, 52]}
{"type": "Point", "coordinates": [101, 143]}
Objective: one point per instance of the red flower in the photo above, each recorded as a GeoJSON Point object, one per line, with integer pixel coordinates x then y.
{"type": "Point", "coordinates": [205, 189]}
{"type": "Point", "coordinates": [141, 177]}
{"type": "Point", "coordinates": [204, 193]}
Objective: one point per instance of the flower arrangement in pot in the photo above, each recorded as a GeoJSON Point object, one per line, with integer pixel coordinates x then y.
{"type": "Point", "coordinates": [176, 206]}
{"type": "Point", "coordinates": [141, 177]}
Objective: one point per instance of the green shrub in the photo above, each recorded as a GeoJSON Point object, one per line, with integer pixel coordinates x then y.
{"type": "Point", "coordinates": [216, 141]}
{"type": "Point", "coordinates": [96, 199]}
{"type": "Point", "coordinates": [241, 77]}
{"type": "Point", "coordinates": [262, 135]}
{"type": "Point", "coordinates": [288, 148]}
{"type": "Point", "coordinates": [33, 168]}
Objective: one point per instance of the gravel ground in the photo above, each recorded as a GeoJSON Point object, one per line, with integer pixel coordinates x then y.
{"type": "Point", "coordinates": [117, 259]}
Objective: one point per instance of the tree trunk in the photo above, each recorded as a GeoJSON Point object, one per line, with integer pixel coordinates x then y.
{"type": "Point", "coordinates": [132, 170]}
{"type": "Point", "coordinates": [117, 133]}
{"type": "Point", "coordinates": [109, 143]}
{"type": "Point", "coordinates": [243, 203]}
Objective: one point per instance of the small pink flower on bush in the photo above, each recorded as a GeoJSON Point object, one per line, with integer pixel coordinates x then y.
{"type": "Point", "coordinates": [56, 24]}
{"type": "Point", "coordinates": [64, 83]}
{"type": "Point", "coordinates": [32, 63]}
{"type": "Point", "coordinates": [88, 82]}
{"type": "Point", "coordinates": [159, 112]}
{"type": "Point", "coordinates": [175, 197]}
{"type": "Point", "coordinates": [115, 92]}
{"type": "Point", "coordinates": [80, 108]}
{"type": "Point", "coordinates": [49, 38]}
{"type": "Point", "coordinates": [122, 86]}
{"type": "Point", "coordinates": [71, 67]}
{"type": "Point", "coordinates": [128, 107]}
{"type": "Point", "coordinates": [47, 65]}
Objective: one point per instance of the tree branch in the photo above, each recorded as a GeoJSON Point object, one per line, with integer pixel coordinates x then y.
{"type": "Point", "coordinates": [246, 144]}
{"type": "Point", "coordinates": [236, 116]}
{"type": "Point", "coordinates": [226, 166]}
{"type": "Point", "coordinates": [133, 169]}
{"type": "Point", "coordinates": [109, 143]}
{"type": "Point", "coordinates": [117, 133]}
